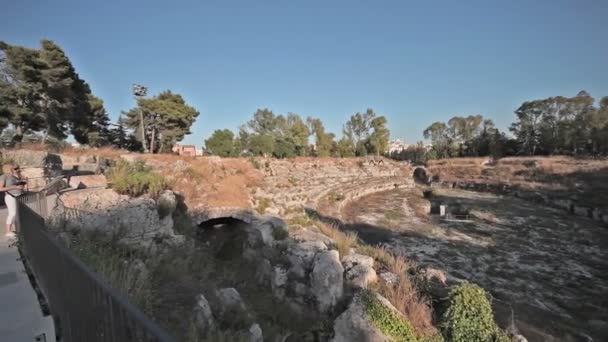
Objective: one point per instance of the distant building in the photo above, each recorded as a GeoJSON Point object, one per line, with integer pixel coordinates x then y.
{"type": "Point", "coordinates": [397, 146]}
{"type": "Point", "coordinates": [185, 150]}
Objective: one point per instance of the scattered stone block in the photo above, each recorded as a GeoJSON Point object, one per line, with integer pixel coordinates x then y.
{"type": "Point", "coordinates": [88, 181]}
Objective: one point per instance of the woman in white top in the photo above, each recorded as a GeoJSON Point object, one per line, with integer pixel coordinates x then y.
{"type": "Point", "coordinates": [12, 186]}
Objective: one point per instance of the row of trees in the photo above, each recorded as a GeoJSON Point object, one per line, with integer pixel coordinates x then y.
{"type": "Point", "coordinates": [43, 98]}
{"type": "Point", "coordinates": [290, 135]}
{"type": "Point", "coordinates": [555, 125]}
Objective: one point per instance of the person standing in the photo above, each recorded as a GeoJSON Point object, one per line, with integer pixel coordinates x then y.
{"type": "Point", "coordinates": [12, 186]}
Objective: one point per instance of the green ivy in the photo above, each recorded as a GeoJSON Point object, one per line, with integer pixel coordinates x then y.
{"type": "Point", "coordinates": [469, 317]}
{"type": "Point", "coordinates": [388, 321]}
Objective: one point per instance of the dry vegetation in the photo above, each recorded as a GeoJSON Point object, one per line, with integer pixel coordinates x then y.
{"type": "Point", "coordinates": [402, 294]}
{"type": "Point", "coordinates": [561, 174]}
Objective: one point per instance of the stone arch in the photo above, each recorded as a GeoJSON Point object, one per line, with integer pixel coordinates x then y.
{"type": "Point", "coordinates": [260, 230]}
{"type": "Point", "coordinates": [421, 175]}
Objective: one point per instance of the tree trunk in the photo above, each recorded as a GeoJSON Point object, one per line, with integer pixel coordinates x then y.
{"type": "Point", "coordinates": [143, 130]}
{"type": "Point", "coordinates": [153, 140]}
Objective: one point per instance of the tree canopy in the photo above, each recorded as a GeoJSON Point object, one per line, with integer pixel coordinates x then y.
{"type": "Point", "coordinates": [167, 118]}
{"type": "Point", "coordinates": [40, 91]}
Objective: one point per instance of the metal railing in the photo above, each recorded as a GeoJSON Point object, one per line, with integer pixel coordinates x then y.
{"type": "Point", "coordinates": [83, 305]}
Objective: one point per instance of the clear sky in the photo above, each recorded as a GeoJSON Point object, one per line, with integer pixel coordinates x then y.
{"type": "Point", "coordinates": [414, 61]}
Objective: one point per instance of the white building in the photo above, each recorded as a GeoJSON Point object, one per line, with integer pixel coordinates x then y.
{"type": "Point", "coordinates": [396, 145]}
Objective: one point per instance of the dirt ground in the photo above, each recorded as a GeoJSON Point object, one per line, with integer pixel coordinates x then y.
{"type": "Point", "coordinates": [549, 267]}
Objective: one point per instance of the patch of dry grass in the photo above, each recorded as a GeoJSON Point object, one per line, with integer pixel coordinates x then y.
{"type": "Point", "coordinates": [344, 240]}
{"type": "Point", "coordinates": [402, 294]}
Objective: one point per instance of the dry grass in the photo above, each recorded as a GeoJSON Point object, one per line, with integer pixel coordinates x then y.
{"type": "Point", "coordinates": [209, 182]}
{"type": "Point", "coordinates": [402, 294]}
{"type": "Point", "coordinates": [344, 240]}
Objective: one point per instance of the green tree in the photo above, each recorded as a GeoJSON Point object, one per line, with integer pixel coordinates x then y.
{"type": "Point", "coordinates": [527, 127]}
{"type": "Point", "coordinates": [463, 129]}
{"type": "Point", "coordinates": [167, 119]}
{"type": "Point", "coordinates": [378, 139]}
{"type": "Point", "coordinates": [345, 148]}
{"type": "Point", "coordinates": [261, 144]}
{"type": "Point", "coordinates": [264, 122]}
{"type": "Point", "coordinates": [21, 89]}
{"type": "Point", "coordinates": [441, 138]}
{"type": "Point", "coordinates": [41, 91]}
{"type": "Point", "coordinates": [221, 143]}
{"type": "Point", "coordinates": [324, 142]}
{"type": "Point", "coordinates": [357, 129]}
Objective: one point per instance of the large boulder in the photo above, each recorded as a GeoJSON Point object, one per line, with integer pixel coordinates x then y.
{"type": "Point", "coordinates": [359, 270]}
{"type": "Point", "coordinates": [301, 256]}
{"type": "Point", "coordinates": [134, 220]}
{"type": "Point", "coordinates": [167, 203]}
{"type": "Point", "coordinates": [326, 280]}
{"type": "Point", "coordinates": [353, 325]}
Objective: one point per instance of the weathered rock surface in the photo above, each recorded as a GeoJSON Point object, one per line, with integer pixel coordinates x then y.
{"type": "Point", "coordinates": [230, 301]}
{"type": "Point", "coordinates": [359, 270]}
{"type": "Point", "coordinates": [255, 333]}
{"type": "Point", "coordinates": [135, 220]}
{"type": "Point", "coordinates": [88, 181]}
{"type": "Point", "coordinates": [167, 203]}
{"type": "Point", "coordinates": [301, 256]}
{"type": "Point", "coordinates": [353, 325]}
{"type": "Point", "coordinates": [326, 280]}
{"type": "Point", "coordinates": [203, 315]}
{"type": "Point", "coordinates": [389, 278]}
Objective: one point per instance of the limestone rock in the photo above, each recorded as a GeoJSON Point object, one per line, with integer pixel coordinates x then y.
{"type": "Point", "coordinates": [353, 259]}
{"type": "Point", "coordinates": [326, 280]}
{"type": "Point", "coordinates": [255, 333]}
{"type": "Point", "coordinates": [358, 270]}
{"type": "Point", "coordinates": [360, 276]}
{"type": "Point", "coordinates": [135, 220]}
{"type": "Point", "coordinates": [304, 235]}
{"type": "Point", "coordinates": [88, 181]}
{"type": "Point", "coordinates": [519, 338]}
{"type": "Point", "coordinates": [230, 298]}
{"type": "Point", "coordinates": [167, 203]}
{"type": "Point", "coordinates": [278, 282]}
{"type": "Point", "coordinates": [203, 315]}
{"type": "Point", "coordinates": [353, 325]}
{"type": "Point", "coordinates": [301, 256]}
{"type": "Point", "coordinates": [431, 274]}
{"type": "Point", "coordinates": [389, 278]}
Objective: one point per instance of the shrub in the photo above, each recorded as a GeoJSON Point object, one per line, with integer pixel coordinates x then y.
{"type": "Point", "coordinates": [387, 320]}
{"type": "Point", "coordinates": [469, 317]}
{"type": "Point", "coordinates": [136, 179]}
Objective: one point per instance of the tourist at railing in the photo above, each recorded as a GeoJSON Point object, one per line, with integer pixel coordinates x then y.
{"type": "Point", "coordinates": [11, 185]}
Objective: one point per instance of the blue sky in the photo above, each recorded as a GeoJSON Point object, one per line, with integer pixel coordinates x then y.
{"type": "Point", "coordinates": [414, 61]}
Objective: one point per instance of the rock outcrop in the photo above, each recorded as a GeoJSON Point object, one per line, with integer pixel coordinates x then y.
{"type": "Point", "coordinates": [134, 220]}
{"type": "Point", "coordinates": [359, 270]}
{"type": "Point", "coordinates": [326, 280]}
{"type": "Point", "coordinates": [203, 316]}
{"type": "Point", "coordinates": [353, 325]}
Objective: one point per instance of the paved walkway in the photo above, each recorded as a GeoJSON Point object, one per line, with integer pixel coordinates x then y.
{"type": "Point", "coordinates": [21, 318]}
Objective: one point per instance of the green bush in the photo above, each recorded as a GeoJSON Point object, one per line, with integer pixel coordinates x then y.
{"type": "Point", "coordinates": [386, 320]}
{"type": "Point", "coordinates": [136, 179]}
{"type": "Point", "coordinates": [469, 317]}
